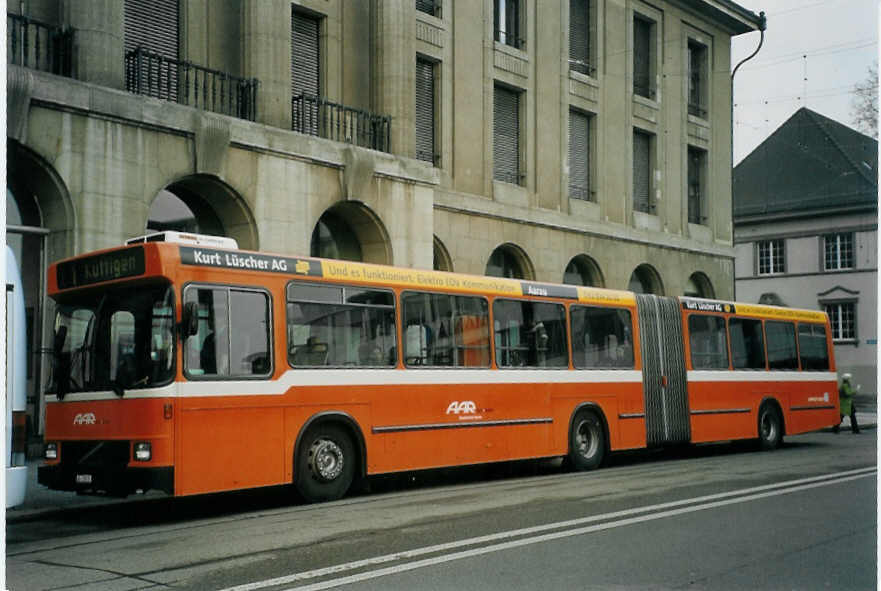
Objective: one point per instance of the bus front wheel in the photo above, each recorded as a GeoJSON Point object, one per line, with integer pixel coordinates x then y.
{"type": "Point", "coordinates": [325, 463]}
{"type": "Point", "coordinates": [587, 441]}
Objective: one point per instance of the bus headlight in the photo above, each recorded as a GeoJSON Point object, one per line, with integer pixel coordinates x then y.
{"type": "Point", "coordinates": [143, 451]}
{"type": "Point", "coordinates": [51, 451]}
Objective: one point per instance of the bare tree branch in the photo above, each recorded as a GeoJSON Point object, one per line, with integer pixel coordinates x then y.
{"type": "Point", "coordinates": [864, 103]}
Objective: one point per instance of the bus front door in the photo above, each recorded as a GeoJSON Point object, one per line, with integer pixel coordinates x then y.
{"type": "Point", "coordinates": [665, 389]}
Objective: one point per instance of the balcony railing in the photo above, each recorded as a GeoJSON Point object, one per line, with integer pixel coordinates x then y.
{"type": "Point", "coordinates": [317, 116]}
{"type": "Point", "coordinates": [37, 45]}
{"type": "Point", "coordinates": [150, 74]}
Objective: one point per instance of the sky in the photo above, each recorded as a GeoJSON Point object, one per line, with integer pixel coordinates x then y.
{"type": "Point", "coordinates": [813, 54]}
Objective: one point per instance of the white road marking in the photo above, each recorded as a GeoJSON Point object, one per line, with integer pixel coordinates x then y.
{"type": "Point", "coordinates": [528, 535]}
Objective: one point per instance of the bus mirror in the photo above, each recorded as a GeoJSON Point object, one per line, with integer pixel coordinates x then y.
{"type": "Point", "coordinates": [191, 319]}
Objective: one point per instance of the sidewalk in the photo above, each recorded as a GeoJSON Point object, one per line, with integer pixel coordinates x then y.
{"type": "Point", "coordinates": [40, 501]}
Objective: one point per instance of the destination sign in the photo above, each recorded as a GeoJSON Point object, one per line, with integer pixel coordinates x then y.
{"type": "Point", "coordinates": [248, 261]}
{"type": "Point", "coordinates": [98, 268]}
{"type": "Point", "coordinates": [705, 306]}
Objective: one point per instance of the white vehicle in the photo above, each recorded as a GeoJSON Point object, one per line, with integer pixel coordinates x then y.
{"type": "Point", "coordinates": [16, 379]}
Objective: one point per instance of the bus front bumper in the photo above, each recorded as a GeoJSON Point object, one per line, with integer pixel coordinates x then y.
{"type": "Point", "coordinates": [119, 482]}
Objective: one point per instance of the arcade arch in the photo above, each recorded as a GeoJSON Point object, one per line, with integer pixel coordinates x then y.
{"type": "Point", "coordinates": [645, 279]}
{"type": "Point", "coordinates": [509, 260]}
{"type": "Point", "coordinates": [351, 231]}
{"type": "Point", "coordinates": [583, 270]}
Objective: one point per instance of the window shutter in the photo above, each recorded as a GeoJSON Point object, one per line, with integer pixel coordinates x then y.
{"type": "Point", "coordinates": [641, 171]}
{"type": "Point", "coordinates": [304, 55]}
{"type": "Point", "coordinates": [579, 155]}
{"type": "Point", "coordinates": [153, 25]}
{"type": "Point", "coordinates": [579, 37]}
{"type": "Point", "coordinates": [425, 140]}
{"type": "Point", "coordinates": [506, 135]}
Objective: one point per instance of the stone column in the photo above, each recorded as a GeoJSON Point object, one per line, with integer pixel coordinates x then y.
{"type": "Point", "coordinates": [396, 71]}
{"type": "Point", "coordinates": [98, 41]}
{"type": "Point", "coordinates": [266, 38]}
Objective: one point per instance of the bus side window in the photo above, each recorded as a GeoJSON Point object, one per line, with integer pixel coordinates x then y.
{"type": "Point", "coordinates": [747, 343]}
{"type": "Point", "coordinates": [812, 347]}
{"type": "Point", "coordinates": [601, 337]}
{"type": "Point", "coordinates": [708, 341]}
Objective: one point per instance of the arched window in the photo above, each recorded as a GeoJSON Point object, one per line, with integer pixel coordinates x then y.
{"type": "Point", "coordinates": [645, 279]}
{"type": "Point", "coordinates": [508, 260]}
{"type": "Point", "coordinates": [442, 260]}
{"type": "Point", "coordinates": [583, 270]}
{"type": "Point", "coordinates": [333, 238]}
{"type": "Point", "coordinates": [699, 286]}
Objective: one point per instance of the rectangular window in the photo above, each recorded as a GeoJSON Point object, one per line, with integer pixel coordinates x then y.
{"type": "Point", "coordinates": [697, 79]}
{"type": "Point", "coordinates": [305, 71]}
{"type": "Point", "coordinates": [506, 22]}
{"type": "Point", "coordinates": [426, 142]}
{"type": "Point", "coordinates": [432, 7]}
{"type": "Point", "coordinates": [601, 337]}
{"type": "Point", "coordinates": [842, 317]}
{"type": "Point", "coordinates": [782, 352]}
{"type": "Point", "coordinates": [812, 347]}
{"type": "Point", "coordinates": [747, 343]}
{"type": "Point", "coordinates": [772, 256]}
{"type": "Point", "coordinates": [233, 336]}
{"type": "Point", "coordinates": [642, 172]}
{"type": "Point", "coordinates": [643, 57]}
{"type": "Point", "coordinates": [530, 334]}
{"type": "Point", "coordinates": [697, 167]}
{"type": "Point", "coordinates": [708, 342]}
{"type": "Point", "coordinates": [442, 330]}
{"type": "Point", "coordinates": [506, 135]}
{"type": "Point", "coordinates": [838, 251]}
{"type": "Point", "coordinates": [333, 326]}
{"type": "Point", "coordinates": [581, 58]}
{"type": "Point", "coordinates": [579, 155]}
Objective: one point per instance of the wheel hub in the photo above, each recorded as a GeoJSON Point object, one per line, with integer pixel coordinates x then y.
{"type": "Point", "coordinates": [326, 460]}
{"type": "Point", "coordinates": [585, 439]}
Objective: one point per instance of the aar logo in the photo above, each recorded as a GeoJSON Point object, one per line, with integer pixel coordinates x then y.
{"type": "Point", "coordinates": [84, 418]}
{"type": "Point", "coordinates": [464, 407]}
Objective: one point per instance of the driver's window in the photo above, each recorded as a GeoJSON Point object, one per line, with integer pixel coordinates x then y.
{"type": "Point", "coordinates": [123, 363]}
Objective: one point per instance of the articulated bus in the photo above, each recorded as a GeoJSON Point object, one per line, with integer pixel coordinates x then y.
{"type": "Point", "coordinates": [184, 364]}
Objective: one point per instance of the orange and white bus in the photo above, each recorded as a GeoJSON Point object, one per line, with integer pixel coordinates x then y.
{"type": "Point", "coordinates": [186, 365]}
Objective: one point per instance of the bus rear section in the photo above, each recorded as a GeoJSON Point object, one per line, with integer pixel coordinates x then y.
{"type": "Point", "coordinates": [110, 402]}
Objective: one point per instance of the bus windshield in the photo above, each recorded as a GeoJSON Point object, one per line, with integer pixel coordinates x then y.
{"type": "Point", "coordinates": [122, 338]}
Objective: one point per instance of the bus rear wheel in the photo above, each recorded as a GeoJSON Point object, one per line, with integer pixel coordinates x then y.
{"type": "Point", "coordinates": [770, 428]}
{"type": "Point", "coordinates": [587, 441]}
{"type": "Point", "coordinates": [325, 464]}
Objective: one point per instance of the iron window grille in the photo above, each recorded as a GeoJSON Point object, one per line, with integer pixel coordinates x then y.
{"type": "Point", "coordinates": [320, 117]}
{"type": "Point", "coordinates": [150, 74]}
{"type": "Point", "coordinates": [33, 44]}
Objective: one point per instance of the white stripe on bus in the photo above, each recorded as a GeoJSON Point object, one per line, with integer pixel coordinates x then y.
{"type": "Point", "coordinates": [339, 377]}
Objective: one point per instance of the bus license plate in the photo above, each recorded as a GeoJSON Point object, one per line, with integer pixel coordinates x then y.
{"type": "Point", "coordinates": [84, 479]}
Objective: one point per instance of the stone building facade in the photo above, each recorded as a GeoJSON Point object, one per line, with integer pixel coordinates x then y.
{"type": "Point", "coordinates": [585, 140]}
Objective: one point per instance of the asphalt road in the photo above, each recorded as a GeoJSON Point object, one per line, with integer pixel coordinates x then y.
{"type": "Point", "coordinates": [709, 517]}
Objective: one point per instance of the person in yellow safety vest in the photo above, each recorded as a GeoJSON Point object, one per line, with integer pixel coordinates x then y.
{"type": "Point", "coordinates": [845, 400]}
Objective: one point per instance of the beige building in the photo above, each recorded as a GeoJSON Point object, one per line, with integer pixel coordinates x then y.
{"type": "Point", "coordinates": [579, 140]}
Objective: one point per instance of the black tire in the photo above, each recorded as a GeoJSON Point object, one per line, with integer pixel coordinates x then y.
{"type": "Point", "coordinates": [770, 428]}
{"type": "Point", "coordinates": [587, 441]}
{"type": "Point", "coordinates": [325, 463]}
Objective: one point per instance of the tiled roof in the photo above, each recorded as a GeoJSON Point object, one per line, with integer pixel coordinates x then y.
{"type": "Point", "coordinates": [810, 164]}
